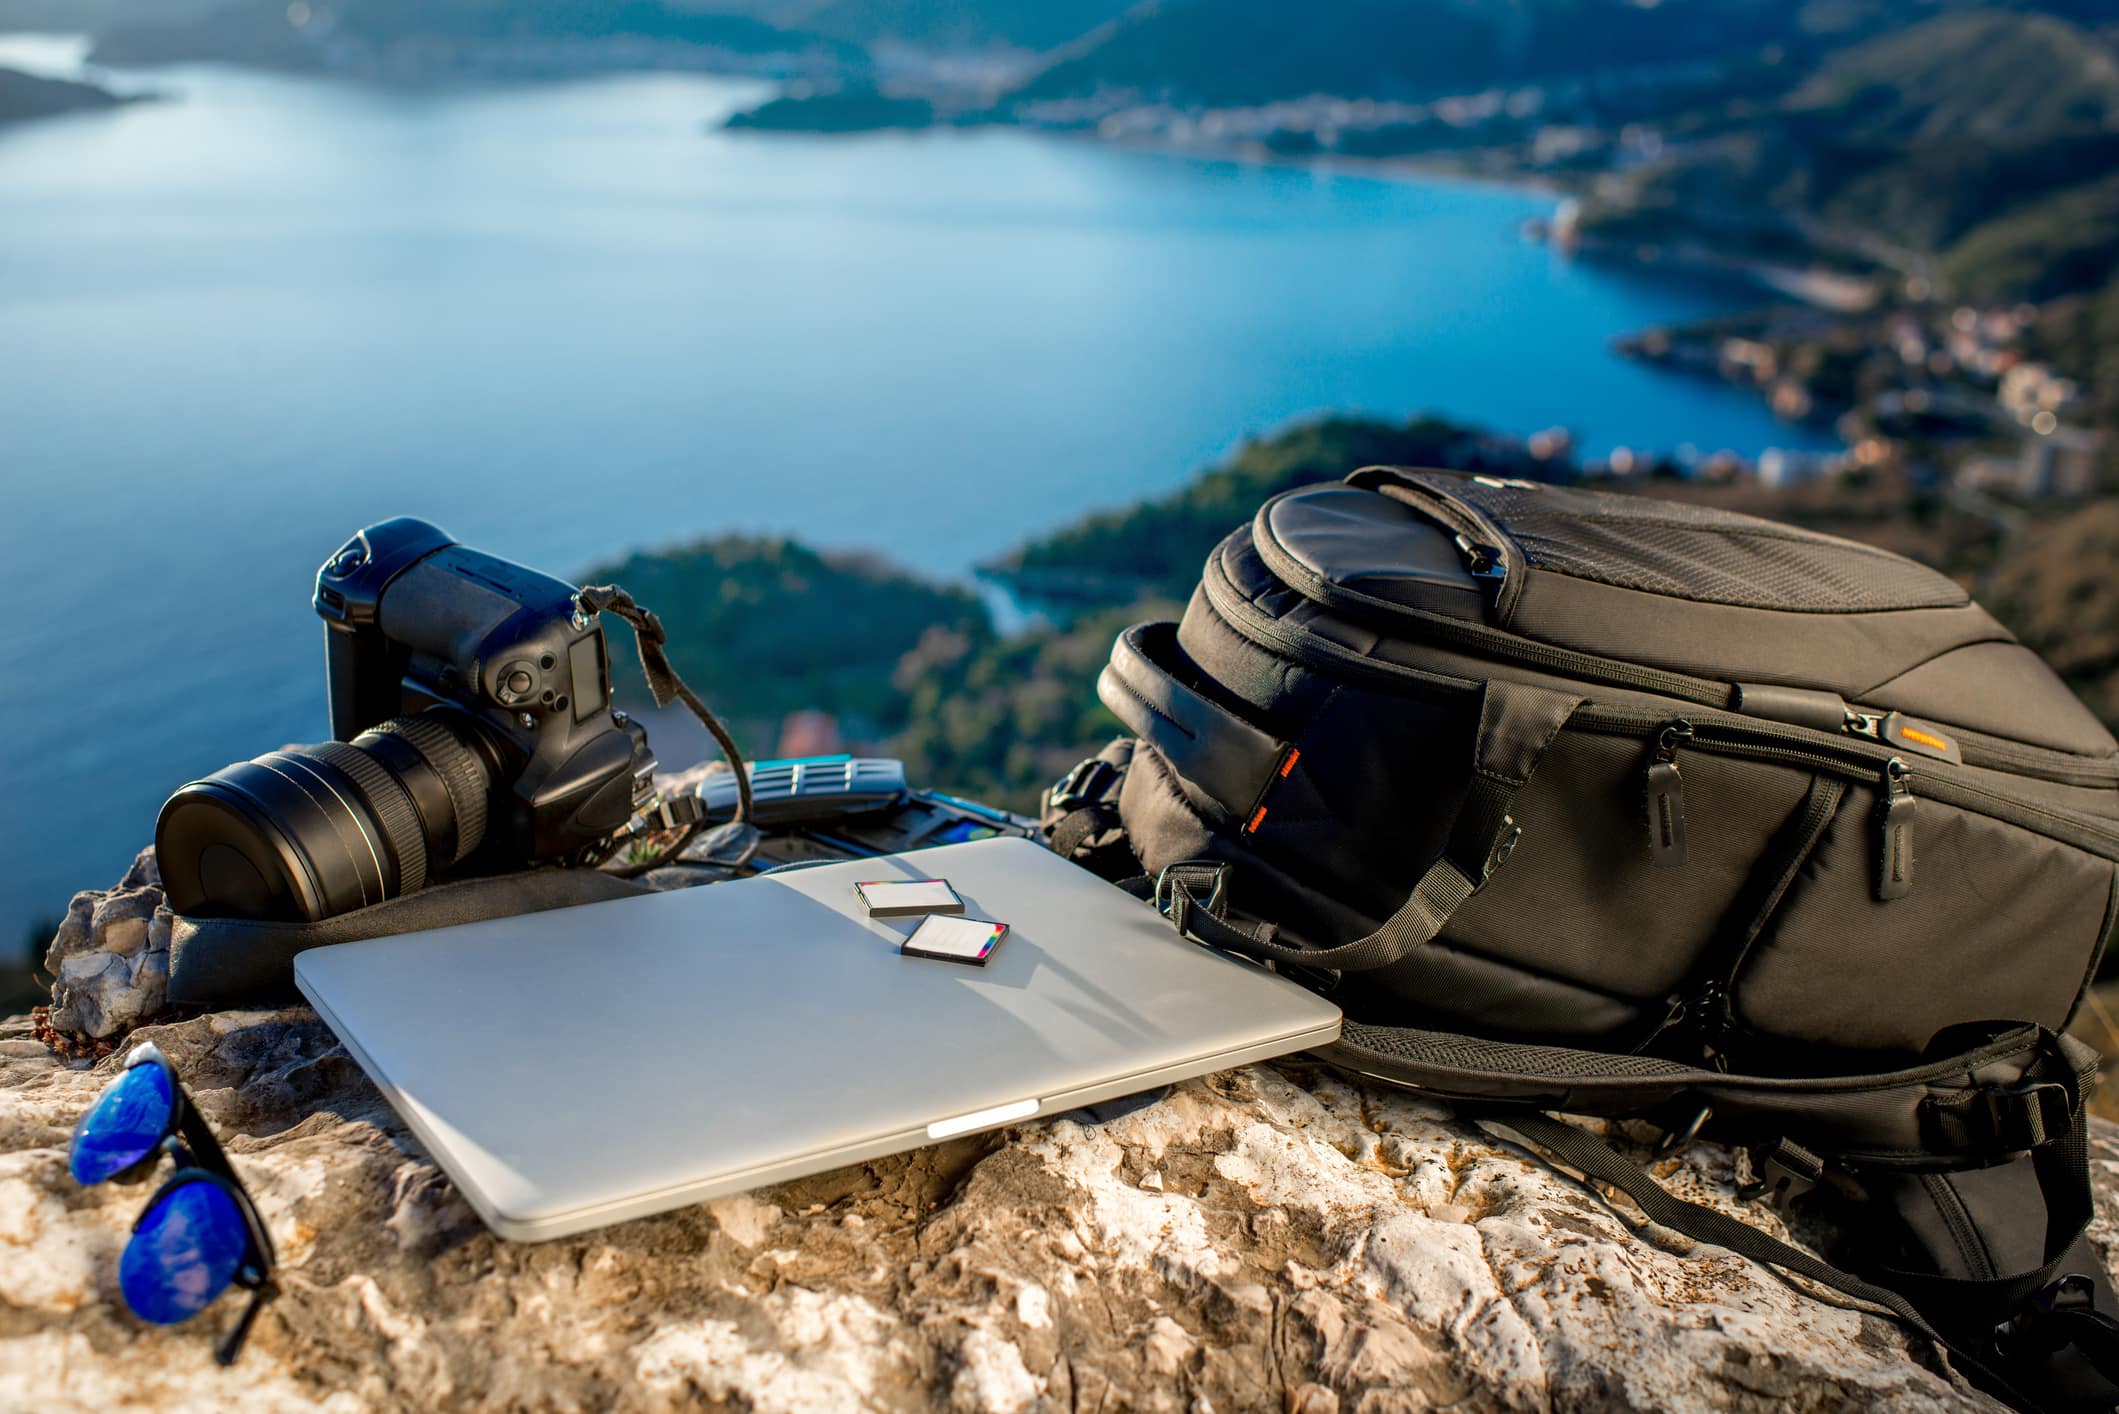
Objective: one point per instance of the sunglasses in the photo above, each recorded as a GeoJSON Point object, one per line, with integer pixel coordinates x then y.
{"type": "Point", "coordinates": [200, 1232]}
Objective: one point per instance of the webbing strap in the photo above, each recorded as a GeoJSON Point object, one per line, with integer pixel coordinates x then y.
{"type": "Point", "coordinates": [1595, 1159]}
{"type": "Point", "coordinates": [2049, 1320]}
{"type": "Point", "coordinates": [1077, 827]}
{"type": "Point", "coordinates": [1516, 723]}
{"type": "Point", "coordinates": [2062, 1166]}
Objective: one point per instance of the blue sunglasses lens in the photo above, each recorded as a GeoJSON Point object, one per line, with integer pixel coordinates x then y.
{"type": "Point", "coordinates": [124, 1124]}
{"type": "Point", "coordinates": [183, 1254]}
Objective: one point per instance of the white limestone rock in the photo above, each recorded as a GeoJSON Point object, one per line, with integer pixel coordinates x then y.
{"type": "Point", "coordinates": [1277, 1237]}
{"type": "Point", "coordinates": [1314, 1244]}
{"type": "Point", "coordinates": [109, 960]}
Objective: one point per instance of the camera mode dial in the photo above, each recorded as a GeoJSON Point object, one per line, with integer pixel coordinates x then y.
{"type": "Point", "coordinates": [515, 684]}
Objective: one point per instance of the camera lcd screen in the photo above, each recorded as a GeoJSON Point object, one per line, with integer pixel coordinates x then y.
{"type": "Point", "coordinates": [968, 940]}
{"type": "Point", "coordinates": [585, 668]}
{"type": "Point", "coordinates": [908, 898]}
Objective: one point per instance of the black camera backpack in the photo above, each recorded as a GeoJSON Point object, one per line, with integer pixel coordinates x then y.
{"type": "Point", "coordinates": [1590, 802]}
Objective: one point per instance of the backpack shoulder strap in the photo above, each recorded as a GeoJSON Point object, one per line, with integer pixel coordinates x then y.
{"type": "Point", "coordinates": [2010, 1089]}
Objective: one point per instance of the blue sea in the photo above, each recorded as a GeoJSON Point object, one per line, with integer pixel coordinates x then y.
{"type": "Point", "coordinates": [565, 319]}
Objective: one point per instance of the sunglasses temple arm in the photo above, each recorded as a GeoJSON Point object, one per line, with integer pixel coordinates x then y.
{"type": "Point", "coordinates": [198, 1136]}
{"type": "Point", "coordinates": [233, 1346]}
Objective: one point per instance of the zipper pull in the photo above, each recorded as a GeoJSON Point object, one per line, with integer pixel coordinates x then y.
{"type": "Point", "coordinates": [1666, 797]}
{"type": "Point", "coordinates": [1894, 832]}
{"type": "Point", "coordinates": [1485, 562]}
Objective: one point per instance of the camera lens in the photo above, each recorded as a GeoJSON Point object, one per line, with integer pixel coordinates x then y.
{"type": "Point", "coordinates": [318, 830]}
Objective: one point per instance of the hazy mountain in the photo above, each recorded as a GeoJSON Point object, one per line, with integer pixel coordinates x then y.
{"type": "Point", "coordinates": [1982, 74]}
{"type": "Point", "coordinates": [1978, 146]}
{"type": "Point", "coordinates": [94, 16]}
{"type": "Point", "coordinates": [951, 24]}
{"type": "Point", "coordinates": [1235, 51]}
{"type": "Point", "coordinates": [351, 32]}
{"type": "Point", "coordinates": [2065, 242]}
{"type": "Point", "coordinates": [26, 96]}
{"type": "Point", "coordinates": [265, 32]}
{"type": "Point", "coordinates": [1988, 139]}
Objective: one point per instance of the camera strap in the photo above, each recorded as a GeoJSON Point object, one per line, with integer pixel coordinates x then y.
{"type": "Point", "coordinates": [662, 680]}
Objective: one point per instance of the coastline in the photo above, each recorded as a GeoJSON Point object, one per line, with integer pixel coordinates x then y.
{"type": "Point", "coordinates": [1818, 289]}
{"type": "Point", "coordinates": [271, 683]}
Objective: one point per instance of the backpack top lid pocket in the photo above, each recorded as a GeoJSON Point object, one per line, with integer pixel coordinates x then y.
{"type": "Point", "coordinates": [1716, 596]}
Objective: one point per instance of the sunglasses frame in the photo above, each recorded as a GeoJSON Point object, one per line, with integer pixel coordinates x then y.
{"type": "Point", "coordinates": [199, 1158]}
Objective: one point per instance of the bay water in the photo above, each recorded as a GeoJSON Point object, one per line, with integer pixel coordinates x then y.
{"type": "Point", "coordinates": [566, 319]}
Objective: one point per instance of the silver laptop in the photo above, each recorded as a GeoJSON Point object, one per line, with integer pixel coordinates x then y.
{"type": "Point", "coordinates": [588, 1065]}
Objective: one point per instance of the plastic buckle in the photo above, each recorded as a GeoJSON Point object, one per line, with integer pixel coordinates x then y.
{"type": "Point", "coordinates": [1084, 785]}
{"type": "Point", "coordinates": [2028, 1116]}
{"type": "Point", "coordinates": [1785, 1173]}
{"type": "Point", "coordinates": [1173, 900]}
{"type": "Point", "coordinates": [2032, 1327]}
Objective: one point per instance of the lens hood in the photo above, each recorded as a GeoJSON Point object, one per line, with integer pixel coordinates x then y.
{"type": "Point", "coordinates": [313, 831]}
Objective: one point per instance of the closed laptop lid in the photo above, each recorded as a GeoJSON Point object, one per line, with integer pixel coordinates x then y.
{"type": "Point", "coordinates": [585, 1065]}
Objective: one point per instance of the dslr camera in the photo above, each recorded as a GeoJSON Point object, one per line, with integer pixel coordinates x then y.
{"type": "Point", "coordinates": [471, 706]}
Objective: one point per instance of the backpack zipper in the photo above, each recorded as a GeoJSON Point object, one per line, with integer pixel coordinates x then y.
{"type": "Point", "coordinates": [1976, 748]}
{"type": "Point", "coordinates": [1854, 757]}
{"type": "Point", "coordinates": [1712, 1006]}
{"type": "Point", "coordinates": [1442, 629]}
{"type": "Point", "coordinates": [1859, 761]}
{"type": "Point", "coordinates": [1666, 795]}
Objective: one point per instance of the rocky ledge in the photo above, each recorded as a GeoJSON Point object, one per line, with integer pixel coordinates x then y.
{"type": "Point", "coordinates": [1276, 1237]}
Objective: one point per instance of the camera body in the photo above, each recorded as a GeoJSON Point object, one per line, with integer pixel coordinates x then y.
{"type": "Point", "coordinates": [416, 621]}
{"type": "Point", "coordinates": [471, 706]}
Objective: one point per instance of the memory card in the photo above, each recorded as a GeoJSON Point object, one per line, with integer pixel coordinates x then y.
{"type": "Point", "coordinates": [908, 898]}
{"type": "Point", "coordinates": [968, 940]}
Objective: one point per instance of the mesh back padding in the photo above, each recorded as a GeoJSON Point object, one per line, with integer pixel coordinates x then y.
{"type": "Point", "coordinates": [1701, 553]}
{"type": "Point", "coordinates": [1439, 1048]}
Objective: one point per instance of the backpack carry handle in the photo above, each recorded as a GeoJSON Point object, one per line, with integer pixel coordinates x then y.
{"type": "Point", "coordinates": [1516, 723]}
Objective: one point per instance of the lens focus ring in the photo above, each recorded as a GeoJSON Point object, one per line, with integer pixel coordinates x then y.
{"type": "Point", "coordinates": [462, 774]}
{"type": "Point", "coordinates": [394, 813]}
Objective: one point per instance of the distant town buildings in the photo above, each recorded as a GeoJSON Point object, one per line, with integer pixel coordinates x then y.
{"type": "Point", "coordinates": [2060, 463]}
{"type": "Point", "coordinates": [810, 733]}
